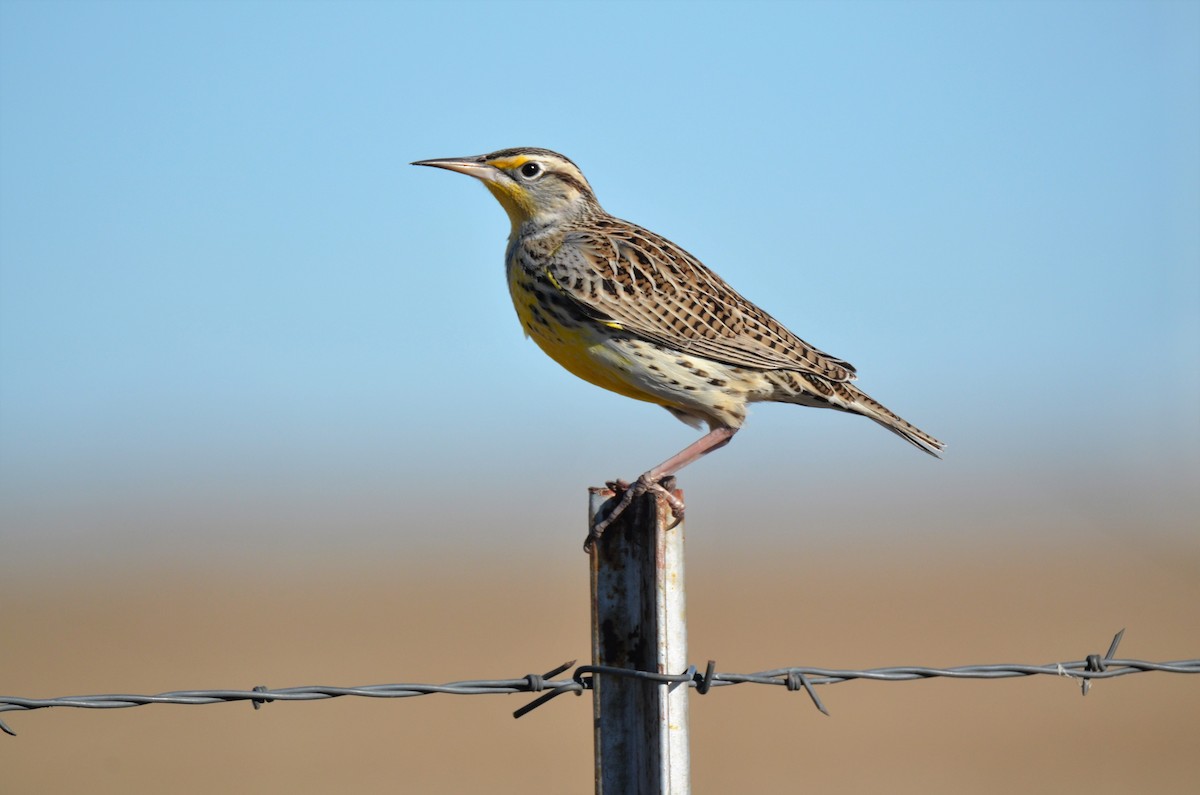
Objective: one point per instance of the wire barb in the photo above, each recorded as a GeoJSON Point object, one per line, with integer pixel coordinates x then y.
{"type": "Point", "coordinates": [258, 702]}
{"type": "Point", "coordinates": [1096, 664]}
{"type": "Point", "coordinates": [538, 683]}
{"type": "Point", "coordinates": [1112, 649]}
{"type": "Point", "coordinates": [796, 679]}
{"type": "Point", "coordinates": [704, 684]}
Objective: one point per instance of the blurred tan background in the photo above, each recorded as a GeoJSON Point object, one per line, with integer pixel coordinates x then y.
{"type": "Point", "coordinates": [487, 612]}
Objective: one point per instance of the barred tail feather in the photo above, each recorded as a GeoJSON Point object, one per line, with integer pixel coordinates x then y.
{"type": "Point", "coordinates": [808, 389]}
{"type": "Point", "coordinates": [867, 406]}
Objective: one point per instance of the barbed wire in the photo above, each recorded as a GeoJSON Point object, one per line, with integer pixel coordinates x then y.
{"type": "Point", "coordinates": [582, 678]}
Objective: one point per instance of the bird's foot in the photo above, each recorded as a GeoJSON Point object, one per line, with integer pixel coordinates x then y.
{"type": "Point", "coordinates": [628, 492]}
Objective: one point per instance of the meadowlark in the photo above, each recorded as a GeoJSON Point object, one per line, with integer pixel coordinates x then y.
{"type": "Point", "coordinates": [630, 311]}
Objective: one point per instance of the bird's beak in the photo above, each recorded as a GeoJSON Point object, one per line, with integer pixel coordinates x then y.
{"type": "Point", "coordinates": [471, 166]}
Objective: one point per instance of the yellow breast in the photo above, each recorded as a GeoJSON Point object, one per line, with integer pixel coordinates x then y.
{"type": "Point", "coordinates": [576, 343]}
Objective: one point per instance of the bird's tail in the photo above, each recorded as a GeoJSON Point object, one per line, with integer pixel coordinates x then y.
{"type": "Point", "coordinates": [867, 406]}
{"type": "Point", "coordinates": [813, 390]}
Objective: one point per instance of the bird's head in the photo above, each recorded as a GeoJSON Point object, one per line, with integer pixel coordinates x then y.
{"type": "Point", "coordinates": [532, 184]}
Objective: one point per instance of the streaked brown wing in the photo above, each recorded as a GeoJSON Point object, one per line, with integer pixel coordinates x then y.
{"type": "Point", "coordinates": [620, 273]}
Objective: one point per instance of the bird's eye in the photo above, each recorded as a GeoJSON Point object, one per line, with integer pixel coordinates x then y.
{"type": "Point", "coordinates": [530, 170]}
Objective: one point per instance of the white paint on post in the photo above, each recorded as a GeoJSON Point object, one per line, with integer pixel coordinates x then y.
{"type": "Point", "coordinates": [639, 621]}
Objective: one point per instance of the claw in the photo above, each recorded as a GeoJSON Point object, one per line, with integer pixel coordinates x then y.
{"type": "Point", "coordinates": [628, 492]}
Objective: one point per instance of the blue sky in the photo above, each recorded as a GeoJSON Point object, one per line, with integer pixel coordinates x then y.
{"type": "Point", "coordinates": [224, 294]}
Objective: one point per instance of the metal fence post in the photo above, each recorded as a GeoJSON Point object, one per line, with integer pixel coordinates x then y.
{"type": "Point", "coordinates": [639, 621]}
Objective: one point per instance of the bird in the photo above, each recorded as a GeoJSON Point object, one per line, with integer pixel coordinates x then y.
{"type": "Point", "coordinates": [628, 310]}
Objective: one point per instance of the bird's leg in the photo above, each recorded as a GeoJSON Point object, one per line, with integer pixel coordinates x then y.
{"type": "Point", "coordinates": [653, 481]}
